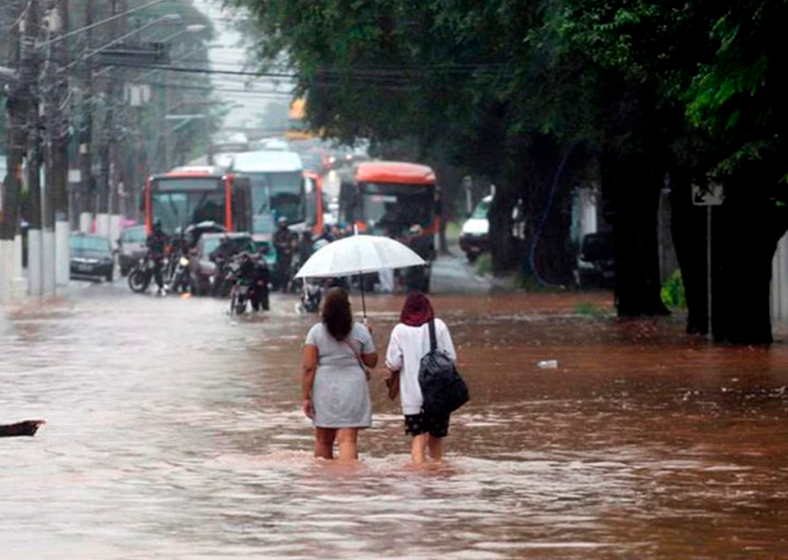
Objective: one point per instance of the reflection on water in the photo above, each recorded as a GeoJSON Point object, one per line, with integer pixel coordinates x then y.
{"type": "Point", "coordinates": [175, 432]}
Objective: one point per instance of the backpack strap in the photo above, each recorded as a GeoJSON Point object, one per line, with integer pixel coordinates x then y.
{"type": "Point", "coordinates": [433, 338]}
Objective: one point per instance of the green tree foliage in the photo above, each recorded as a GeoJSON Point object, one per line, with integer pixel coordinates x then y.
{"type": "Point", "coordinates": [537, 95]}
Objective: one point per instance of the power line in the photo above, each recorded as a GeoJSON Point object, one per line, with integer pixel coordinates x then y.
{"type": "Point", "coordinates": [98, 23]}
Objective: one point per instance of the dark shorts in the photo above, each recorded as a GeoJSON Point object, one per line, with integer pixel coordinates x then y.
{"type": "Point", "coordinates": [417, 424]}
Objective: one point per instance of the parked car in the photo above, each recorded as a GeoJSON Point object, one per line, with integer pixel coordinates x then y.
{"type": "Point", "coordinates": [131, 247]}
{"type": "Point", "coordinates": [596, 263]}
{"type": "Point", "coordinates": [202, 268]}
{"type": "Point", "coordinates": [91, 257]}
{"type": "Point", "coordinates": [474, 236]}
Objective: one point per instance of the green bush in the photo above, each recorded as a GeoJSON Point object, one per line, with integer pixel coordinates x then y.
{"type": "Point", "coordinates": [591, 309]}
{"type": "Point", "coordinates": [672, 291]}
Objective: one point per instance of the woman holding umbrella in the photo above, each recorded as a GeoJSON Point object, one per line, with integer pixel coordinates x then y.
{"type": "Point", "coordinates": [335, 390]}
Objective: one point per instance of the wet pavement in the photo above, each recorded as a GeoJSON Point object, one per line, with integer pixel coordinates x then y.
{"type": "Point", "coordinates": [174, 432]}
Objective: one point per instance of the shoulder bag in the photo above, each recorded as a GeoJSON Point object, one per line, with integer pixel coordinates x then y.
{"type": "Point", "coordinates": [443, 389]}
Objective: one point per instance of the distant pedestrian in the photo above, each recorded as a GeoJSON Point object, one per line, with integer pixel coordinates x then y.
{"type": "Point", "coordinates": [335, 388]}
{"type": "Point", "coordinates": [409, 342]}
{"type": "Point", "coordinates": [157, 242]}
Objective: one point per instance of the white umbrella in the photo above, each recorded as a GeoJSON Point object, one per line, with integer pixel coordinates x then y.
{"type": "Point", "coordinates": [358, 254]}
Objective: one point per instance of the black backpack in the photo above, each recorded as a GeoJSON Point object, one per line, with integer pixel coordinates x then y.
{"type": "Point", "coordinates": [443, 389]}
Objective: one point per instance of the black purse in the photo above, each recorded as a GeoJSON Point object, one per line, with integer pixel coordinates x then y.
{"type": "Point", "coordinates": [442, 387]}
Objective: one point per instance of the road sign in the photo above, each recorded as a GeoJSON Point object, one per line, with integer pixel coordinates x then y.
{"type": "Point", "coordinates": [707, 195]}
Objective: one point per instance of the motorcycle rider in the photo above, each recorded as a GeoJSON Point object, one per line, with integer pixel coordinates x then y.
{"type": "Point", "coordinates": [305, 247]}
{"type": "Point", "coordinates": [157, 245]}
{"type": "Point", "coordinates": [285, 242]}
{"type": "Point", "coordinates": [254, 273]}
{"type": "Point", "coordinates": [224, 251]}
{"type": "Point", "coordinates": [222, 256]}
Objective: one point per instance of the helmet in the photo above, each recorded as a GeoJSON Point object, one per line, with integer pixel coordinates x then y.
{"type": "Point", "coordinates": [416, 229]}
{"type": "Point", "coordinates": [282, 221]}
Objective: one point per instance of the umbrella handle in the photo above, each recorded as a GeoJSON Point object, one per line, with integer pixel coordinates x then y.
{"type": "Point", "coordinates": [363, 300]}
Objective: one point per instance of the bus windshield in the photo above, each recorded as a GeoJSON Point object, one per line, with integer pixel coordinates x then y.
{"type": "Point", "coordinates": [391, 209]}
{"type": "Point", "coordinates": [179, 202]}
{"type": "Point", "coordinates": [276, 194]}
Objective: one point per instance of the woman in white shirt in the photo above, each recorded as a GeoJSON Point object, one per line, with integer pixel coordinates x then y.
{"type": "Point", "coordinates": [409, 342]}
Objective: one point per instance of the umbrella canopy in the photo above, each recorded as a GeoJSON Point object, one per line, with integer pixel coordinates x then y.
{"type": "Point", "coordinates": [358, 254]}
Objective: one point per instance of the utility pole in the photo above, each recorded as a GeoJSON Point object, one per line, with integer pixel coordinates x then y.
{"type": "Point", "coordinates": [86, 130]}
{"type": "Point", "coordinates": [56, 215]}
{"type": "Point", "coordinates": [32, 63]}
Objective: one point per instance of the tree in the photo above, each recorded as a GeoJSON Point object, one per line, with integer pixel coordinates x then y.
{"type": "Point", "coordinates": [714, 64]}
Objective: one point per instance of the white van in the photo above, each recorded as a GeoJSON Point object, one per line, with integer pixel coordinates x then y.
{"type": "Point", "coordinates": [474, 236]}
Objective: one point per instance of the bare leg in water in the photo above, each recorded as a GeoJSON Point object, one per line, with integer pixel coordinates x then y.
{"type": "Point", "coordinates": [324, 442]}
{"type": "Point", "coordinates": [436, 448]}
{"type": "Point", "coordinates": [419, 445]}
{"type": "Point", "coordinates": [348, 444]}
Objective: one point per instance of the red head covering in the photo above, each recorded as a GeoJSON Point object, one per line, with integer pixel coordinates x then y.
{"type": "Point", "coordinates": [417, 310]}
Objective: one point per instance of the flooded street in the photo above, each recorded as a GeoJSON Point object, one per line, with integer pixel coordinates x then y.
{"type": "Point", "coordinates": [173, 432]}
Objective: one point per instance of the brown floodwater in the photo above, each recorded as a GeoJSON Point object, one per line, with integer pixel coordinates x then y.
{"type": "Point", "coordinates": [174, 432]}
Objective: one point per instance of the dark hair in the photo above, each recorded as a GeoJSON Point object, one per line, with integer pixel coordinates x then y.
{"type": "Point", "coordinates": [337, 316]}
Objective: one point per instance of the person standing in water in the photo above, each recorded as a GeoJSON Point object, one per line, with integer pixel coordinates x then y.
{"type": "Point", "coordinates": [335, 388]}
{"type": "Point", "coordinates": [409, 342]}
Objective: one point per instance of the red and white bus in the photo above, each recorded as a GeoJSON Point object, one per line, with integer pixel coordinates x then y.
{"type": "Point", "coordinates": [389, 198]}
{"type": "Point", "coordinates": [190, 195]}
{"type": "Point", "coordinates": [395, 199]}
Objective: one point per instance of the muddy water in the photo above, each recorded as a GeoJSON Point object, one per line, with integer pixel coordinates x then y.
{"type": "Point", "coordinates": [175, 433]}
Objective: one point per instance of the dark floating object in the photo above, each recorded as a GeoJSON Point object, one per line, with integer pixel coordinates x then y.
{"type": "Point", "coordinates": [25, 428]}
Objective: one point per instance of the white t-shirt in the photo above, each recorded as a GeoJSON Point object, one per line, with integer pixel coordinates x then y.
{"type": "Point", "coordinates": [407, 346]}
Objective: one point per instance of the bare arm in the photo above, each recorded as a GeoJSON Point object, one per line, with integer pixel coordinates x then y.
{"type": "Point", "coordinates": [370, 360]}
{"type": "Point", "coordinates": [309, 369]}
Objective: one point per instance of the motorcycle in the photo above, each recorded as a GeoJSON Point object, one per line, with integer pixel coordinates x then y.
{"type": "Point", "coordinates": [178, 279]}
{"type": "Point", "coordinates": [249, 283]}
{"type": "Point", "coordinates": [141, 274]}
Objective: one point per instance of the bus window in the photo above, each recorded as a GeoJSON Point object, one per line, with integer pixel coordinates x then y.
{"type": "Point", "coordinates": [281, 193]}
{"type": "Point", "coordinates": [393, 209]}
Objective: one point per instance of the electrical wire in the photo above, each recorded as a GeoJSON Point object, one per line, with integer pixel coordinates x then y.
{"type": "Point", "coordinates": [99, 23]}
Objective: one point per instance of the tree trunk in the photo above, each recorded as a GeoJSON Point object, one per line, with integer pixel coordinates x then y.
{"type": "Point", "coordinates": [631, 189]}
{"type": "Point", "coordinates": [688, 227]}
{"type": "Point", "coordinates": [500, 229]}
{"type": "Point", "coordinates": [548, 203]}
{"type": "Point", "coordinates": [745, 235]}
{"type": "Point", "coordinates": [16, 107]}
